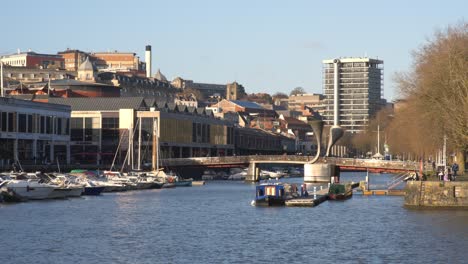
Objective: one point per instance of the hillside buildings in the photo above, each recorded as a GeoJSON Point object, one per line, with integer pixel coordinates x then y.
{"type": "Point", "coordinates": [32, 59]}
{"type": "Point", "coordinates": [360, 84]}
{"type": "Point", "coordinates": [115, 61]}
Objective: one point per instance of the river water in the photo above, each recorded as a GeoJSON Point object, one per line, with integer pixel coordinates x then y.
{"type": "Point", "coordinates": [215, 223]}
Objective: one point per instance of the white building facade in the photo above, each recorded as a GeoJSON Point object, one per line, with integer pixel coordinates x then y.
{"type": "Point", "coordinates": [360, 91]}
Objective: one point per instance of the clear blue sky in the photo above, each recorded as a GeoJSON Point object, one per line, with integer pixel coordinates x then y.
{"type": "Point", "coordinates": [268, 46]}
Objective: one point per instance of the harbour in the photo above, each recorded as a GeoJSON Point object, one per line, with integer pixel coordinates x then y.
{"type": "Point", "coordinates": [215, 223]}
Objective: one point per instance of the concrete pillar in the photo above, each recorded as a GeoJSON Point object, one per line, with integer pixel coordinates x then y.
{"type": "Point", "coordinates": [319, 172]}
{"type": "Point", "coordinates": [51, 153]}
{"type": "Point", "coordinates": [68, 153]}
{"type": "Point", "coordinates": [252, 173]}
{"type": "Point", "coordinates": [15, 149]}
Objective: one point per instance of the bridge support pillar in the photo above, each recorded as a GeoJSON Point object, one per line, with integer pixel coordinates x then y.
{"type": "Point", "coordinates": [253, 173]}
{"type": "Point", "coordinates": [320, 172]}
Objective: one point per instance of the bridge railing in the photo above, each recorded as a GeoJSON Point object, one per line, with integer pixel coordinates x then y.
{"type": "Point", "coordinates": [244, 160]}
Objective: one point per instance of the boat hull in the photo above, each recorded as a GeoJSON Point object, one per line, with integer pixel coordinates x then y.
{"type": "Point", "coordinates": [340, 196]}
{"type": "Point", "coordinates": [157, 185]}
{"type": "Point", "coordinates": [93, 190]}
{"type": "Point", "coordinates": [270, 201]}
{"type": "Point", "coordinates": [59, 193]}
{"type": "Point", "coordinates": [168, 185]}
{"type": "Point", "coordinates": [32, 193]}
{"type": "Point", "coordinates": [183, 184]}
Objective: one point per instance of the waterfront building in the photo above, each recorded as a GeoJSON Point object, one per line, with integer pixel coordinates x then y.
{"type": "Point", "coordinates": [34, 60]}
{"type": "Point", "coordinates": [33, 132]}
{"type": "Point", "coordinates": [99, 124]}
{"type": "Point", "coordinates": [252, 141]}
{"type": "Point", "coordinates": [360, 82]}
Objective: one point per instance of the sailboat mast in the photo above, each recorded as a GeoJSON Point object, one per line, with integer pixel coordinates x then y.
{"type": "Point", "coordinates": [155, 164]}
{"type": "Point", "coordinates": [139, 144]}
{"type": "Point", "coordinates": [378, 138]}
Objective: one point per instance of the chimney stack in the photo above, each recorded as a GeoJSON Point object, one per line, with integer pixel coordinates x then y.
{"type": "Point", "coordinates": [148, 60]}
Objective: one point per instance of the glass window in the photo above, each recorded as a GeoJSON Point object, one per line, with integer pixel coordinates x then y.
{"type": "Point", "coordinates": [4, 121]}
{"type": "Point", "coordinates": [11, 123]}
{"type": "Point", "coordinates": [88, 129]}
{"type": "Point", "coordinates": [22, 123]}
{"type": "Point", "coordinates": [76, 129]}
{"type": "Point", "coordinates": [59, 126]}
{"type": "Point", "coordinates": [49, 125]}
{"type": "Point", "coordinates": [30, 123]}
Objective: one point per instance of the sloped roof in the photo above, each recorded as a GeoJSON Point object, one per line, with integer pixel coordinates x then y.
{"type": "Point", "coordinates": [101, 103]}
{"type": "Point", "coordinates": [86, 66]}
{"type": "Point", "coordinates": [247, 104]}
{"type": "Point", "coordinates": [294, 121]}
{"type": "Point", "coordinates": [71, 82]}
{"type": "Point", "coordinates": [159, 76]}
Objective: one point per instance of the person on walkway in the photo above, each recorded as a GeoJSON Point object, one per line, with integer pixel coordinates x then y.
{"type": "Point", "coordinates": [455, 170]}
{"type": "Point", "coordinates": [441, 175]}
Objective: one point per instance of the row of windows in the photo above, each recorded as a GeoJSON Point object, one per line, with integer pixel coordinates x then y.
{"type": "Point", "coordinates": [84, 129]}
{"type": "Point", "coordinates": [34, 75]}
{"type": "Point", "coordinates": [33, 123]}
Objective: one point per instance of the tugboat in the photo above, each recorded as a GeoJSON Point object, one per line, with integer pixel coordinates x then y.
{"type": "Point", "coordinates": [339, 191]}
{"type": "Point", "coordinates": [274, 194]}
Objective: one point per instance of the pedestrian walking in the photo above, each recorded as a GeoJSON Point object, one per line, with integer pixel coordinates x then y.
{"type": "Point", "coordinates": [455, 170]}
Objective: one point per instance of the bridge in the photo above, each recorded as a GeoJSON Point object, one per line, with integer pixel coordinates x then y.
{"type": "Point", "coordinates": [324, 166]}
{"type": "Point", "coordinates": [253, 161]}
{"type": "Point", "coordinates": [344, 163]}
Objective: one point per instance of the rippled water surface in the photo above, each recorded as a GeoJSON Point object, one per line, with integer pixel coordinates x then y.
{"type": "Point", "coordinates": [216, 224]}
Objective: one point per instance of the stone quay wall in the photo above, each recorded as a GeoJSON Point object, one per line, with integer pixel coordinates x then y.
{"type": "Point", "coordinates": [437, 194]}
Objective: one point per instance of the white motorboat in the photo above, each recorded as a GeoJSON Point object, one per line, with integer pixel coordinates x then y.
{"type": "Point", "coordinates": [29, 189]}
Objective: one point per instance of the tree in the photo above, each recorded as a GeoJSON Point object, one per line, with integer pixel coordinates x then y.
{"type": "Point", "coordinates": [437, 94]}
{"type": "Point", "coordinates": [297, 90]}
{"type": "Point", "coordinates": [279, 95]}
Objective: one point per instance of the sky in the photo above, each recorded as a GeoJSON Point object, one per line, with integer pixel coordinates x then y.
{"type": "Point", "coordinates": [267, 46]}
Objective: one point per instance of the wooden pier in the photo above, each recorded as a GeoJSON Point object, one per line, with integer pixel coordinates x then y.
{"type": "Point", "coordinates": [384, 192]}
{"type": "Point", "coordinates": [307, 201]}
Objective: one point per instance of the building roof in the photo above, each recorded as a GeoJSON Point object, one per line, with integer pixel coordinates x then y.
{"type": "Point", "coordinates": [295, 121]}
{"type": "Point", "coordinates": [71, 82]}
{"type": "Point", "coordinates": [247, 104]}
{"type": "Point", "coordinates": [86, 66]}
{"type": "Point", "coordinates": [101, 103]}
{"type": "Point", "coordinates": [159, 76]}
{"type": "Point", "coordinates": [354, 59]}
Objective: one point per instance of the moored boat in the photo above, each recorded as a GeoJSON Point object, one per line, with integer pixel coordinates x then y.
{"type": "Point", "coordinates": [274, 193]}
{"type": "Point", "coordinates": [183, 182]}
{"type": "Point", "coordinates": [31, 190]}
{"type": "Point", "coordinates": [339, 191]}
